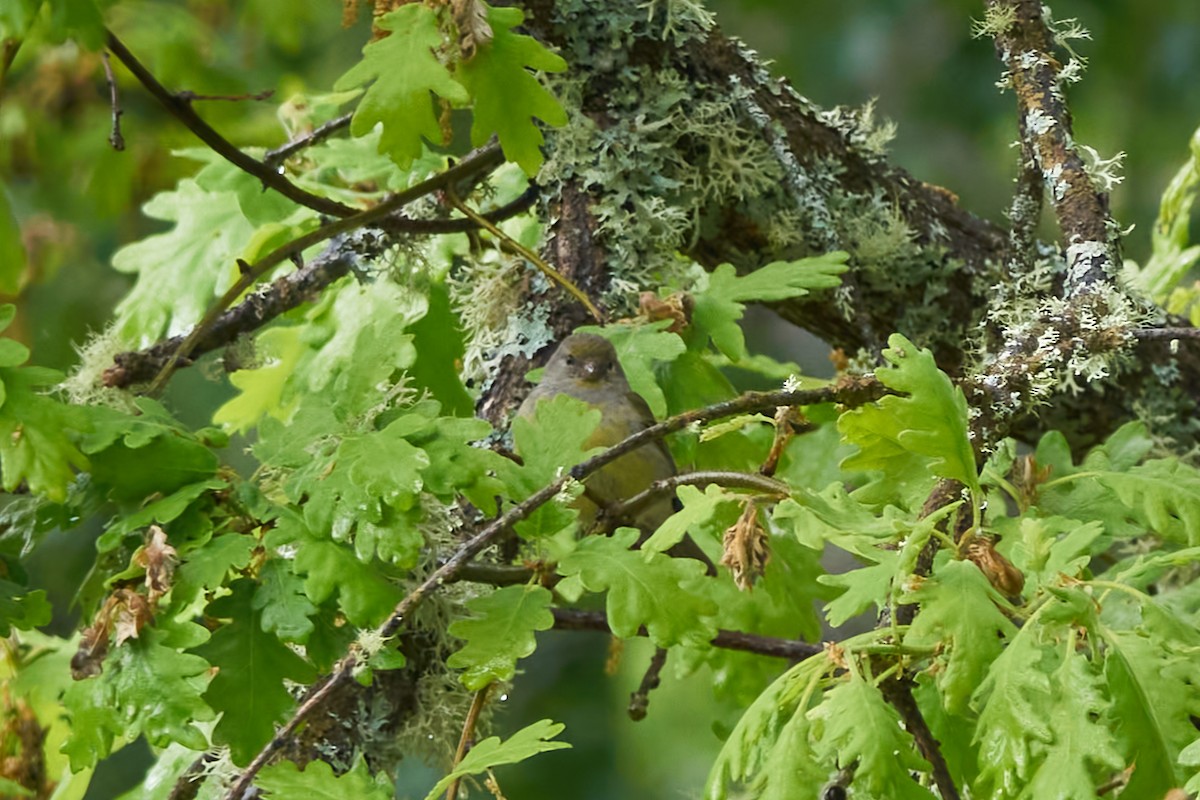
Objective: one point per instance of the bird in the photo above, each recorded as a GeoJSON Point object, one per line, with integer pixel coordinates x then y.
{"type": "Point", "coordinates": [585, 366]}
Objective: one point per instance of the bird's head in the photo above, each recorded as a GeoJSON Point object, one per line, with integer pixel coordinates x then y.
{"type": "Point", "coordinates": [584, 357]}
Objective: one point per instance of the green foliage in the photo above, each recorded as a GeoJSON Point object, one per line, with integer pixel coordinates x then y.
{"type": "Point", "coordinates": [252, 665]}
{"type": "Point", "coordinates": [491, 752]}
{"type": "Point", "coordinates": [35, 447]}
{"type": "Point", "coordinates": [500, 634]}
{"type": "Point", "coordinates": [317, 781]}
{"type": "Point", "coordinates": [402, 70]}
{"type": "Point", "coordinates": [719, 305]}
{"type": "Point", "coordinates": [931, 420]}
{"type": "Point", "coordinates": [221, 571]}
{"type": "Point", "coordinates": [149, 688]}
{"type": "Point", "coordinates": [854, 725]}
{"type": "Point", "coordinates": [650, 589]}
{"type": "Point", "coordinates": [961, 613]}
{"type": "Point", "coordinates": [506, 94]}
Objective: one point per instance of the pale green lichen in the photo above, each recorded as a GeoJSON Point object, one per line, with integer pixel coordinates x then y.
{"type": "Point", "coordinates": [84, 385]}
{"type": "Point", "coordinates": [997, 19]}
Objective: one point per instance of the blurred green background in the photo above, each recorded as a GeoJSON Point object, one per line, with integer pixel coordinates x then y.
{"type": "Point", "coordinates": [78, 200]}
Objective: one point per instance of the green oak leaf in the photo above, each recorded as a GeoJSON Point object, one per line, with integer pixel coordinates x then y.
{"type": "Point", "coordinates": [36, 445]}
{"type": "Point", "coordinates": [500, 633]}
{"type": "Point", "coordinates": [651, 589]}
{"type": "Point", "coordinates": [959, 615]}
{"type": "Point", "coordinates": [855, 725]}
{"type": "Point", "coordinates": [286, 611]}
{"type": "Point", "coordinates": [364, 594]}
{"type": "Point", "coordinates": [284, 780]}
{"type": "Point", "coordinates": [720, 304]}
{"type": "Point", "coordinates": [147, 688]}
{"type": "Point", "coordinates": [402, 70]}
{"type": "Point", "coordinates": [491, 752]}
{"type": "Point", "coordinates": [249, 689]}
{"type": "Point", "coordinates": [507, 95]}
{"type": "Point", "coordinates": [931, 421]}
{"type": "Point", "coordinates": [180, 272]}
{"type": "Point", "coordinates": [1083, 754]}
{"type": "Point", "coordinates": [549, 443]}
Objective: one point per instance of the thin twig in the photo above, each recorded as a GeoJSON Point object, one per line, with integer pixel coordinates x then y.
{"type": "Point", "coordinates": [273, 158]}
{"type": "Point", "coordinates": [639, 700]}
{"type": "Point", "coordinates": [530, 256]}
{"type": "Point", "coordinates": [573, 619]}
{"type": "Point", "coordinates": [468, 732]}
{"type": "Point", "coordinates": [114, 137]}
{"type": "Point", "coordinates": [183, 111]}
{"type": "Point", "coordinates": [848, 391]}
{"type": "Point", "coordinates": [482, 159]}
{"type": "Point", "coordinates": [285, 293]}
{"type": "Point", "coordinates": [1167, 333]}
{"type": "Point", "coordinates": [190, 96]}
{"type": "Point", "coordinates": [624, 509]}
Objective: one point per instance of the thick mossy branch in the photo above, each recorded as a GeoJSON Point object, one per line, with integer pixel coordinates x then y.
{"type": "Point", "coordinates": [680, 140]}
{"type": "Point", "coordinates": [1025, 46]}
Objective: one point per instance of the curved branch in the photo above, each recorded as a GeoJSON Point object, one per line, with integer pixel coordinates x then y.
{"type": "Point", "coordinates": [182, 110]}
{"type": "Point", "coordinates": [273, 158]}
{"type": "Point", "coordinates": [732, 480]}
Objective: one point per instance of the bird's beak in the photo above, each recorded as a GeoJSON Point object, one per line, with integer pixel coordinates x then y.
{"type": "Point", "coordinates": [590, 368]}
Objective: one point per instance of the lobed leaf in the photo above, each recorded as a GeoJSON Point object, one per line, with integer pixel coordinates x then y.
{"type": "Point", "coordinates": [500, 633]}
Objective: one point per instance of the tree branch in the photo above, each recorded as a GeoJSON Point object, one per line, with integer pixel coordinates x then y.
{"type": "Point", "coordinates": [572, 619]}
{"type": "Point", "coordinates": [182, 110]}
{"type": "Point", "coordinates": [114, 137]}
{"type": "Point", "coordinates": [273, 158]}
{"type": "Point", "coordinates": [763, 484]}
{"type": "Point", "coordinates": [898, 692]}
{"type": "Point", "coordinates": [1026, 47]}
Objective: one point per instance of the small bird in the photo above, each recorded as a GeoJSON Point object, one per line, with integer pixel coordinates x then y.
{"type": "Point", "coordinates": [585, 367]}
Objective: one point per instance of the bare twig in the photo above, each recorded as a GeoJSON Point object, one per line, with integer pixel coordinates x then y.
{"type": "Point", "coordinates": [179, 106]}
{"type": "Point", "coordinates": [639, 700]}
{"type": "Point", "coordinates": [273, 158]}
{"type": "Point", "coordinates": [573, 619]}
{"type": "Point", "coordinates": [1167, 333]}
{"type": "Point", "coordinates": [285, 293]}
{"type": "Point", "coordinates": [189, 96]}
{"type": "Point", "coordinates": [482, 159]}
{"type": "Point", "coordinates": [848, 391]}
{"type": "Point", "coordinates": [733, 480]}
{"type": "Point", "coordinates": [114, 137]}
{"type": "Point", "coordinates": [468, 733]}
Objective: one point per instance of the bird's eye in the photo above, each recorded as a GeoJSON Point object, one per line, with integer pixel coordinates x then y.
{"type": "Point", "coordinates": [570, 361]}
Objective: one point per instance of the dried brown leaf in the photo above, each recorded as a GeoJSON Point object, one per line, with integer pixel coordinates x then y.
{"type": "Point", "coordinates": [747, 548]}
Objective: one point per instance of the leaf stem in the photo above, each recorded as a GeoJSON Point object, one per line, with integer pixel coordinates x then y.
{"type": "Point", "coordinates": [530, 256]}
{"type": "Point", "coordinates": [468, 732]}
